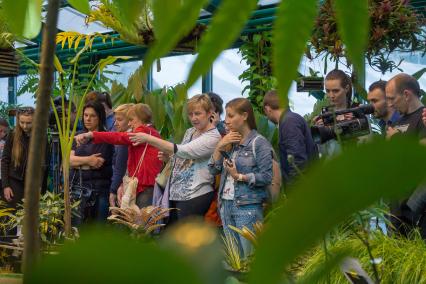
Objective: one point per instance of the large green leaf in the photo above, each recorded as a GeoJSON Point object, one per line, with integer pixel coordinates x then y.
{"type": "Point", "coordinates": [225, 27]}
{"type": "Point", "coordinates": [23, 17]}
{"type": "Point", "coordinates": [82, 5]}
{"type": "Point", "coordinates": [292, 30]}
{"type": "Point", "coordinates": [354, 36]}
{"type": "Point", "coordinates": [174, 25]}
{"type": "Point", "coordinates": [103, 256]}
{"type": "Point", "coordinates": [330, 193]}
{"type": "Point", "coordinates": [419, 73]}
{"type": "Point", "coordinates": [164, 11]}
{"type": "Point", "coordinates": [130, 10]}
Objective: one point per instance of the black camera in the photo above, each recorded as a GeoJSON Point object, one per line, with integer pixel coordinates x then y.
{"type": "Point", "coordinates": [345, 129]}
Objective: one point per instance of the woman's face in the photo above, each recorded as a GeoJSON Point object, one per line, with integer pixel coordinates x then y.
{"type": "Point", "coordinates": [199, 117]}
{"type": "Point", "coordinates": [336, 93]}
{"type": "Point", "coordinates": [91, 119]}
{"type": "Point", "coordinates": [3, 131]}
{"type": "Point", "coordinates": [25, 122]}
{"type": "Point", "coordinates": [235, 121]}
{"type": "Point", "coordinates": [121, 122]}
{"type": "Point", "coordinates": [134, 121]}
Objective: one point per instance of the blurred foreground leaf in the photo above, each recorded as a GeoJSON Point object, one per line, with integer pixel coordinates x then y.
{"type": "Point", "coordinates": [330, 193]}
{"type": "Point", "coordinates": [103, 256]}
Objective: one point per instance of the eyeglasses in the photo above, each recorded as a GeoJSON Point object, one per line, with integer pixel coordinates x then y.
{"type": "Point", "coordinates": [26, 110]}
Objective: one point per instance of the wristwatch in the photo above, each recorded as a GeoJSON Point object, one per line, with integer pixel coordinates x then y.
{"type": "Point", "coordinates": [240, 177]}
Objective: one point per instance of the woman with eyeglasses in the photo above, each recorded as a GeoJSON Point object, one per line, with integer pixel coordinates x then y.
{"type": "Point", "coordinates": [15, 157]}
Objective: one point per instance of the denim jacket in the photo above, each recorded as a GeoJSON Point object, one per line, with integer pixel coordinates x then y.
{"type": "Point", "coordinates": [258, 167]}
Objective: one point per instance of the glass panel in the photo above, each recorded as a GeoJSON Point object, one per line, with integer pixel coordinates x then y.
{"type": "Point", "coordinates": [4, 90]}
{"type": "Point", "coordinates": [174, 70]}
{"type": "Point", "coordinates": [226, 69]}
{"type": "Point", "coordinates": [411, 64]}
{"type": "Point", "coordinates": [124, 70]}
{"type": "Point", "coordinates": [267, 2]}
{"type": "Point", "coordinates": [71, 20]}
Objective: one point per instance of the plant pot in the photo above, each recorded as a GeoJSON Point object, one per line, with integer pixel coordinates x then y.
{"type": "Point", "coordinates": [9, 66]}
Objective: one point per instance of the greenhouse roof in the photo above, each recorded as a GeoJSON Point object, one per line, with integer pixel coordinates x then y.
{"type": "Point", "coordinates": [72, 20]}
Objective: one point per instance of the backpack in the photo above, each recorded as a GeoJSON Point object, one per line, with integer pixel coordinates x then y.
{"type": "Point", "coordinates": [273, 190]}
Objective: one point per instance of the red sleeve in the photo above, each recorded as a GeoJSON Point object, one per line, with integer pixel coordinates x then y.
{"type": "Point", "coordinates": [116, 138]}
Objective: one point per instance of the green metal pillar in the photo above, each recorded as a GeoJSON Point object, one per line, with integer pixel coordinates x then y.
{"type": "Point", "coordinates": [207, 81]}
{"type": "Point", "coordinates": [11, 98]}
{"type": "Point", "coordinates": [149, 80]}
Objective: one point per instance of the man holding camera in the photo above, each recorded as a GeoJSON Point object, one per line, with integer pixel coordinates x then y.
{"type": "Point", "coordinates": [295, 139]}
{"type": "Point", "coordinates": [403, 93]}
{"type": "Point", "coordinates": [387, 115]}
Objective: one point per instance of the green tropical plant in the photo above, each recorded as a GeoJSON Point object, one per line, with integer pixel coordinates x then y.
{"type": "Point", "coordinates": [398, 260]}
{"type": "Point", "coordinates": [140, 31]}
{"type": "Point", "coordinates": [6, 37]}
{"type": "Point", "coordinates": [51, 212]}
{"type": "Point", "coordinates": [65, 129]}
{"type": "Point", "coordinates": [256, 51]}
{"type": "Point", "coordinates": [232, 254]}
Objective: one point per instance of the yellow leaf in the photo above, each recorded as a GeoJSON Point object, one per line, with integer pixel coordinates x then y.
{"type": "Point", "coordinates": [57, 64]}
{"type": "Point", "coordinates": [77, 41]}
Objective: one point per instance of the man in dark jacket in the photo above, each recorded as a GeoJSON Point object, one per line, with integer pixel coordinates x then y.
{"type": "Point", "coordinates": [296, 145]}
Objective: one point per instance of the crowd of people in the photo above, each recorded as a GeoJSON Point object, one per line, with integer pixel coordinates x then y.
{"type": "Point", "coordinates": [225, 167]}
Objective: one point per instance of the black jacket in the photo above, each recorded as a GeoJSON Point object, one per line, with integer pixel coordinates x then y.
{"type": "Point", "coordinates": [8, 170]}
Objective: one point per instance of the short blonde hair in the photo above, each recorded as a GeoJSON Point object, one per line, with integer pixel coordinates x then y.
{"type": "Point", "coordinates": [141, 111]}
{"type": "Point", "coordinates": [202, 100]}
{"type": "Point", "coordinates": [123, 109]}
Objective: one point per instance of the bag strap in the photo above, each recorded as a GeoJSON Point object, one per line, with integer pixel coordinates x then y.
{"type": "Point", "coordinates": [253, 145]}
{"type": "Point", "coordinates": [142, 158]}
{"type": "Point", "coordinates": [274, 155]}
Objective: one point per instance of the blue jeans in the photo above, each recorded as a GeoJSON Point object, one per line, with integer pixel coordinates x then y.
{"type": "Point", "coordinates": [240, 216]}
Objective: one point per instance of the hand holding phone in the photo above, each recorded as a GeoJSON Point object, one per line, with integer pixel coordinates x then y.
{"type": "Point", "coordinates": [227, 157]}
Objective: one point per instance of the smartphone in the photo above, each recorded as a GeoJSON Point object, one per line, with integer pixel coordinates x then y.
{"type": "Point", "coordinates": [227, 157]}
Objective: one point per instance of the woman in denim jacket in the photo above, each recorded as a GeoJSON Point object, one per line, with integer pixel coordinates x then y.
{"type": "Point", "coordinates": [246, 175]}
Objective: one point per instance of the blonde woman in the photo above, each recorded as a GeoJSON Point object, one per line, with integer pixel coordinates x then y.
{"type": "Point", "coordinates": [119, 160]}
{"type": "Point", "coordinates": [190, 186]}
